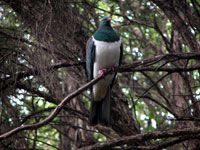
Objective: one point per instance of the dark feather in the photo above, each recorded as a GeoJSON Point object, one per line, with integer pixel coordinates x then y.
{"type": "Point", "coordinates": [100, 111]}
{"type": "Point", "coordinates": [90, 56]}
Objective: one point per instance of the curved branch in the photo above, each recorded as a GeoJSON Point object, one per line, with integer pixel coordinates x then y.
{"type": "Point", "coordinates": [55, 112]}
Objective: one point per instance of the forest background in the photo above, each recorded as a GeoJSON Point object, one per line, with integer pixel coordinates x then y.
{"type": "Point", "coordinates": [44, 98]}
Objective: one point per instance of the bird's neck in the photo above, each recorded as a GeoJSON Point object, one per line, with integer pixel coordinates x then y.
{"type": "Point", "coordinates": [106, 34]}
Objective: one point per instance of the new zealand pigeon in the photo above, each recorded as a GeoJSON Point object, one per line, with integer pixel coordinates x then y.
{"type": "Point", "coordinates": [103, 51]}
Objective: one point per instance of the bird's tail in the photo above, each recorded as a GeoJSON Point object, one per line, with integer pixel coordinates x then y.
{"type": "Point", "coordinates": [100, 111]}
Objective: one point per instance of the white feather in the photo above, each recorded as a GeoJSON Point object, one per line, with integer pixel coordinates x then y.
{"type": "Point", "coordinates": [106, 56]}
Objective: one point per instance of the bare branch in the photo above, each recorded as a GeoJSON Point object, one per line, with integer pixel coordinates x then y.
{"type": "Point", "coordinates": [55, 111]}
{"type": "Point", "coordinates": [181, 133]}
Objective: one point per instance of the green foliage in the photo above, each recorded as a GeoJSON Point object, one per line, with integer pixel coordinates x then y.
{"type": "Point", "coordinates": [9, 18]}
{"type": "Point", "coordinates": [99, 137]}
{"type": "Point", "coordinates": [146, 32]}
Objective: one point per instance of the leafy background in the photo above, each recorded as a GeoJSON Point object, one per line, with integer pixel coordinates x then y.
{"type": "Point", "coordinates": [42, 61]}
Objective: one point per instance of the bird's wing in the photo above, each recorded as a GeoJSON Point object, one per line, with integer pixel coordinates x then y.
{"type": "Point", "coordinates": [90, 56]}
{"type": "Point", "coordinates": [121, 53]}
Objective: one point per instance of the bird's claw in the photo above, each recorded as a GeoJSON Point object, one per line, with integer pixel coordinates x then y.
{"type": "Point", "coordinates": [113, 68]}
{"type": "Point", "coordinates": [102, 71]}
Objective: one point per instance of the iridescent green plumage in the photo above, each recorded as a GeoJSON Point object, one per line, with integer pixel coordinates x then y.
{"type": "Point", "coordinates": [105, 32]}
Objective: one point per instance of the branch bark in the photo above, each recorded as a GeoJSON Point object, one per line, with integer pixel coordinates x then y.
{"type": "Point", "coordinates": [181, 133]}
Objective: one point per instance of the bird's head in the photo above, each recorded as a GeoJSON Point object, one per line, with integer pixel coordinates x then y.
{"type": "Point", "coordinates": [105, 21]}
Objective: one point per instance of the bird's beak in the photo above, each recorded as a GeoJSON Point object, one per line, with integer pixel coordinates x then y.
{"type": "Point", "coordinates": [109, 19]}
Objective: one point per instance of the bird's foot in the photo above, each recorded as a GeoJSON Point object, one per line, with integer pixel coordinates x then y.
{"type": "Point", "coordinates": [102, 71]}
{"type": "Point", "coordinates": [113, 68]}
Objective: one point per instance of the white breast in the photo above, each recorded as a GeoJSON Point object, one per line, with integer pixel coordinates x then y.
{"type": "Point", "coordinates": [106, 56]}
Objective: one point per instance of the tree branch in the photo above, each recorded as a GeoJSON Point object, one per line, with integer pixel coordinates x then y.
{"type": "Point", "coordinates": [145, 63]}
{"type": "Point", "coordinates": [124, 68]}
{"type": "Point", "coordinates": [141, 65]}
{"type": "Point", "coordinates": [183, 134]}
{"type": "Point", "coordinates": [55, 112]}
{"type": "Point", "coordinates": [12, 79]}
{"type": "Point", "coordinates": [165, 144]}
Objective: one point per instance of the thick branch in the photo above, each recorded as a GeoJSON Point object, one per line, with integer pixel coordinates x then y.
{"type": "Point", "coordinates": [181, 133]}
{"type": "Point", "coordinates": [166, 144]}
{"type": "Point", "coordinates": [164, 69]}
{"type": "Point", "coordinates": [146, 63]}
